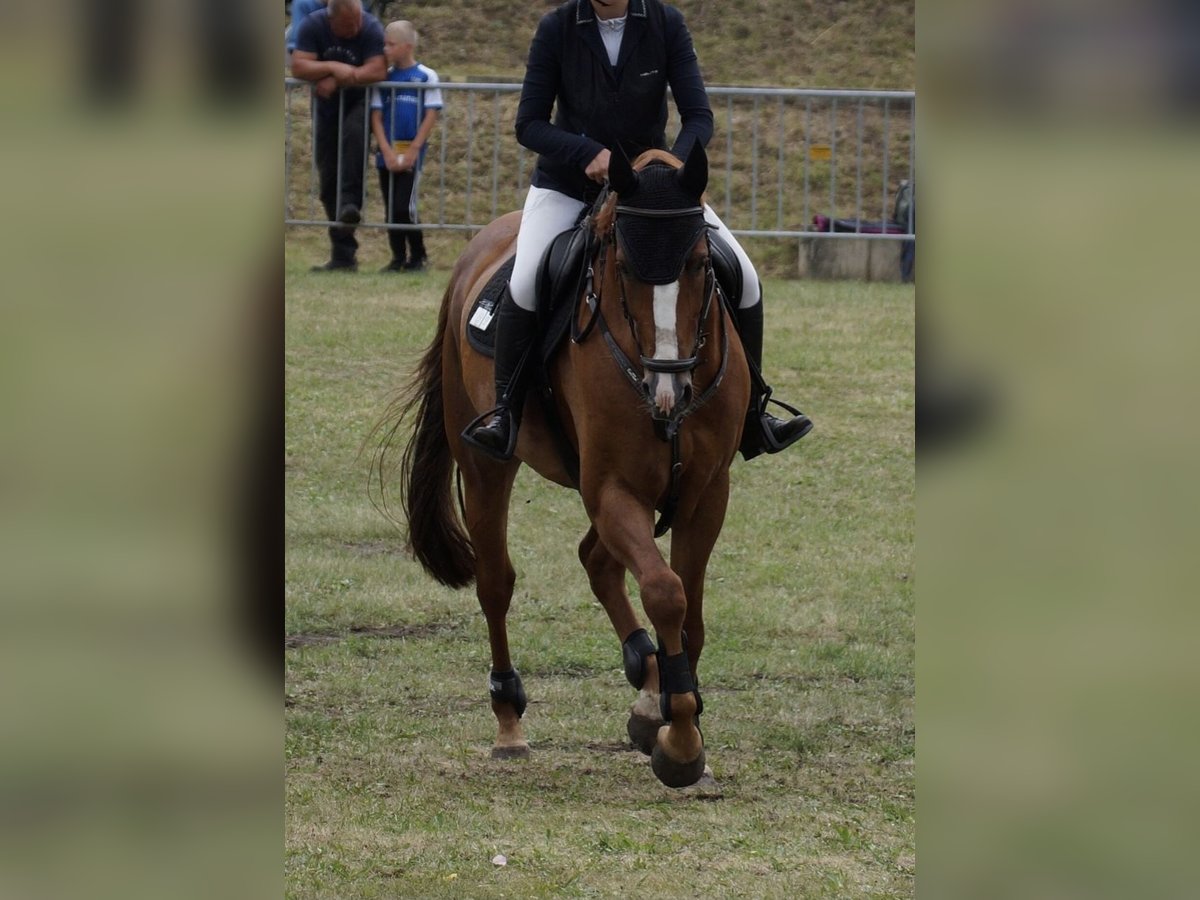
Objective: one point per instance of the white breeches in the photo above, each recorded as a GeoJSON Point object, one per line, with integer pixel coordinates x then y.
{"type": "Point", "coordinates": [547, 213]}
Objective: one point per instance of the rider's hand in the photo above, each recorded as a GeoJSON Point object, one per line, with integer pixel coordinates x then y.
{"type": "Point", "coordinates": [597, 169]}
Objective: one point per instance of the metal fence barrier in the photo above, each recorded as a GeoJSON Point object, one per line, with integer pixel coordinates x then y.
{"type": "Point", "coordinates": [783, 163]}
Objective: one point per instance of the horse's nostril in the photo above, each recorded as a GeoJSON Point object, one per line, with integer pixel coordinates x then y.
{"type": "Point", "coordinates": [686, 394]}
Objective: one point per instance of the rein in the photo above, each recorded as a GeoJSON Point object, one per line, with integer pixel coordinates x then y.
{"type": "Point", "coordinates": [593, 300]}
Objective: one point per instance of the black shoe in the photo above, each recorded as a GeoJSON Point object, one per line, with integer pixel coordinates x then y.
{"type": "Point", "coordinates": [782, 433]}
{"type": "Point", "coordinates": [336, 265]}
{"type": "Point", "coordinates": [416, 265]}
{"type": "Point", "coordinates": [396, 265]}
{"type": "Point", "coordinates": [494, 437]}
{"type": "Point", "coordinates": [349, 215]}
{"type": "Point", "coordinates": [765, 433]}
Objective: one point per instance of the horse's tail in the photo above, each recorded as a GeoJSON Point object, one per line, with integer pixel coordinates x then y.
{"type": "Point", "coordinates": [435, 533]}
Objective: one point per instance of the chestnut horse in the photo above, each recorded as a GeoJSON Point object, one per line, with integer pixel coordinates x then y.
{"type": "Point", "coordinates": [651, 429]}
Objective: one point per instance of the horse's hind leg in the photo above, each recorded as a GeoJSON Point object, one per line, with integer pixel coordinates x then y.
{"type": "Point", "coordinates": [607, 578]}
{"type": "Point", "coordinates": [486, 505]}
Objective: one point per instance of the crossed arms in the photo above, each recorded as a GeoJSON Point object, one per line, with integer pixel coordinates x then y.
{"type": "Point", "coordinates": [330, 76]}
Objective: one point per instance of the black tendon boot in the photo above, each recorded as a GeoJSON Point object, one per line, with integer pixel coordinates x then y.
{"type": "Point", "coordinates": [515, 333]}
{"type": "Point", "coordinates": [763, 432]}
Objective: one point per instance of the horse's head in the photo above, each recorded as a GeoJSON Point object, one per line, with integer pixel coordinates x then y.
{"type": "Point", "coordinates": [661, 268]}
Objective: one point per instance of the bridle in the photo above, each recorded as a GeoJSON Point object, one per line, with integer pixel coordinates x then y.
{"type": "Point", "coordinates": [592, 299]}
{"type": "Point", "coordinates": [653, 364]}
{"type": "Point", "coordinates": [666, 429]}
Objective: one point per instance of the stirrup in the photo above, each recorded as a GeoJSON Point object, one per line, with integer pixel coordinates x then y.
{"type": "Point", "coordinates": [468, 435]}
{"type": "Point", "coordinates": [757, 437]}
{"type": "Point", "coordinates": [770, 443]}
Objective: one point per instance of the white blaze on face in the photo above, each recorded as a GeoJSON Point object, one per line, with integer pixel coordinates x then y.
{"type": "Point", "coordinates": [666, 342]}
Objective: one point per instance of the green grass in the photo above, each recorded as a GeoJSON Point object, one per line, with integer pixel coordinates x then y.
{"type": "Point", "coordinates": [807, 673]}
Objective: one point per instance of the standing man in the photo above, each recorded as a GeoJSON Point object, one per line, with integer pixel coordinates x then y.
{"type": "Point", "coordinates": [339, 49]}
{"type": "Point", "coordinates": [602, 68]}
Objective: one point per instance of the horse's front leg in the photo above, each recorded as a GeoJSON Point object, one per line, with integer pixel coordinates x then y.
{"type": "Point", "coordinates": [694, 537]}
{"type": "Point", "coordinates": [606, 576]}
{"type": "Point", "coordinates": [627, 529]}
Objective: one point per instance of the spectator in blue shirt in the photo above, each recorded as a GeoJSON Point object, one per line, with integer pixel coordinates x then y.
{"type": "Point", "coordinates": [339, 49]}
{"type": "Point", "coordinates": [401, 120]}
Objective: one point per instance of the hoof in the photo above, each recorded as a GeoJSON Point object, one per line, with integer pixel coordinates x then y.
{"type": "Point", "coordinates": [514, 751]}
{"type": "Point", "coordinates": [706, 788]}
{"type": "Point", "coordinates": [643, 732]}
{"type": "Point", "coordinates": [673, 774]}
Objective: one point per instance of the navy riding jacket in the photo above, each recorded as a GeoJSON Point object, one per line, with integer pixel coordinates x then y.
{"type": "Point", "coordinates": [622, 107]}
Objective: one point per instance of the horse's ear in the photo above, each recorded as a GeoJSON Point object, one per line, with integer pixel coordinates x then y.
{"type": "Point", "coordinates": [693, 177]}
{"type": "Point", "coordinates": [621, 176]}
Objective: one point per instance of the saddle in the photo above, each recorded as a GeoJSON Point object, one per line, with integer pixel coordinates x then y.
{"type": "Point", "coordinates": [559, 283]}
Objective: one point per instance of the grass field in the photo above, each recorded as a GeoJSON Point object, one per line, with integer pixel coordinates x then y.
{"type": "Point", "coordinates": [808, 672]}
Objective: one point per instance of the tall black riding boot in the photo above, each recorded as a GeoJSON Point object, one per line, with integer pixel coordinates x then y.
{"type": "Point", "coordinates": [763, 432]}
{"type": "Point", "coordinates": [515, 333]}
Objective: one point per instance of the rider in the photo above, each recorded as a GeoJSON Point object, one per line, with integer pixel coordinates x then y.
{"type": "Point", "coordinates": [607, 65]}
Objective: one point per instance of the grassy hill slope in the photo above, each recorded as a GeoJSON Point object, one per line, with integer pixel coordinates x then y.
{"type": "Point", "coordinates": [784, 43]}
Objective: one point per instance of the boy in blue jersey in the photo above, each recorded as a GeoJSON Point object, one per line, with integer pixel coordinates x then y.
{"type": "Point", "coordinates": [401, 120]}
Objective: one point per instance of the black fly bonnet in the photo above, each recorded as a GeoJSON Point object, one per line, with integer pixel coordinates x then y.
{"type": "Point", "coordinates": [659, 215]}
